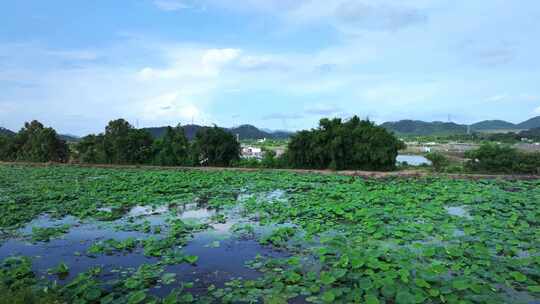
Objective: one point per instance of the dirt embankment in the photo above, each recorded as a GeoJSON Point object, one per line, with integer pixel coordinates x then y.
{"type": "Point", "coordinates": [355, 173]}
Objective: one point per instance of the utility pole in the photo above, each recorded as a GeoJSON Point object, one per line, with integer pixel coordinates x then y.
{"type": "Point", "coordinates": [235, 121]}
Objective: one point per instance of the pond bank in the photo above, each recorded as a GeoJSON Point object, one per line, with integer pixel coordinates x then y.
{"type": "Point", "coordinates": [356, 173]}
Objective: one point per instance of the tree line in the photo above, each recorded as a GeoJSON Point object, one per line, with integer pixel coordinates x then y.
{"type": "Point", "coordinates": [491, 158]}
{"type": "Point", "coordinates": [494, 158]}
{"type": "Point", "coordinates": [334, 144]}
{"type": "Point", "coordinates": [121, 143]}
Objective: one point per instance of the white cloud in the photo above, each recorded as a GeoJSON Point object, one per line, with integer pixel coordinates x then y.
{"type": "Point", "coordinates": [401, 94]}
{"type": "Point", "coordinates": [7, 107]}
{"type": "Point", "coordinates": [170, 106]}
{"type": "Point", "coordinates": [342, 14]}
{"type": "Point", "coordinates": [382, 71]}
{"type": "Point", "coordinates": [259, 63]}
{"type": "Point", "coordinates": [213, 60]}
{"type": "Point", "coordinates": [83, 55]}
{"type": "Point", "coordinates": [282, 116]}
{"type": "Point", "coordinates": [378, 17]}
{"type": "Point", "coordinates": [484, 52]}
{"type": "Point", "coordinates": [497, 98]}
{"type": "Point", "coordinates": [523, 97]}
{"type": "Point", "coordinates": [257, 6]}
{"type": "Point", "coordinates": [323, 110]}
{"type": "Point", "coordinates": [189, 62]}
{"type": "Point", "coordinates": [351, 16]}
{"type": "Point", "coordinates": [83, 98]}
{"type": "Point", "coordinates": [170, 5]}
{"type": "Point", "coordinates": [529, 97]}
{"type": "Point", "coordinates": [537, 111]}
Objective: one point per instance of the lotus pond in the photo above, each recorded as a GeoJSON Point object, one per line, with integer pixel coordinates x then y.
{"type": "Point", "coordinates": [95, 235]}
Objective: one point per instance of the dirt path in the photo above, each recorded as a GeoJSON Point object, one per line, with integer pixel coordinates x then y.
{"type": "Point", "coordinates": [356, 173]}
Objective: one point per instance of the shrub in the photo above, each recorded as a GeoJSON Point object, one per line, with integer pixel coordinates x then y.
{"type": "Point", "coordinates": [246, 163]}
{"type": "Point", "coordinates": [438, 161]}
{"type": "Point", "coordinates": [454, 168]}
{"type": "Point", "coordinates": [493, 158]}
{"type": "Point", "coordinates": [269, 159]}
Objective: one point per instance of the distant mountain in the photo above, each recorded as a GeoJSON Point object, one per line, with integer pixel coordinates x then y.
{"type": "Point", "coordinates": [6, 132]}
{"type": "Point", "coordinates": [281, 134]}
{"type": "Point", "coordinates": [66, 137]}
{"type": "Point", "coordinates": [190, 130]}
{"type": "Point", "coordinates": [243, 131]}
{"type": "Point", "coordinates": [69, 138]}
{"type": "Point", "coordinates": [493, 125]}
{"type": "Point", "coordinates": [530, 124]}
{"type": "Point", "coordinates": [417, 127]}
{"type": "Point", "coordinates": [249, 132]}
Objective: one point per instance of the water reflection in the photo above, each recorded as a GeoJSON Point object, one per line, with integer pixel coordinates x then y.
{"type": "Point", "coordinates": [458, 211]}
{"type": "Point", "coordinates": [222, 253]}
{"type": "Point", "coordinates": [413, 160]}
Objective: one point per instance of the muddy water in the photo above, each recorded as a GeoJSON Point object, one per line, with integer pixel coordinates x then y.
{"type": "Point", "coordinates": [222, 254]}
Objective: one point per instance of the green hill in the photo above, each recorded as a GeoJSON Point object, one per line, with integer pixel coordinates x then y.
{"type": "Point", "coordinates": [493, 125]}
{"type": "Point", "coordinates": [530, 124]}
{"type": "Point", "coordinates": [417, 127]}
{"type": "Point", "coordinates": [65, 137]}
{"type": "Point", "coordinates": [244, 132]}
{"type": "Point", "coordinates": [69, 138]}
{"type": "Point", "coordinates": [6, 132]}
{"type": "Point", "coordinates": [190, 130]}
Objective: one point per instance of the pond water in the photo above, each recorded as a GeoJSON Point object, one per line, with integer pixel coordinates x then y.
{"type": "Point", "coordinates": [229, 238]}
{"type": "Point", "coordinates": [222, 253]}
{"type": "Point", "coordinates": [413, 160]}
{"type": "Point", "coordinates": [459, 211]}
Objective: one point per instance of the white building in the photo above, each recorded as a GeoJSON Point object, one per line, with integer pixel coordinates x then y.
{"type": "Point", "coordinates": [252, 152]}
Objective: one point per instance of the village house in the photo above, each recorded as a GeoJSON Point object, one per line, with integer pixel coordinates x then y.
{"type": "Point", "coordinates": [252, 152]}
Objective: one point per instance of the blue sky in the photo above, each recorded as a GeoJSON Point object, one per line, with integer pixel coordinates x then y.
{"type": "Point", "coordinates": [279, 64]}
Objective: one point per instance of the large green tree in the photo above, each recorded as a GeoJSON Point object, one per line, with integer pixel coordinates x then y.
{"type": "Point", "coordinates": [172, 149]}
{"type": "Point", "coordinates": [215, 147]}
{"type": "Point", "coordinates": [120, 144]}
{"type": "Point", "coordinates": [354, 144]}
{"type": "Point", "coordinates": [91, 149]}
{"type": "Point", "coordinates": [116, 139]}
{"type": "Point", "coordinates": [5, 147]}
{"type": "Point", "coordinates": [34, 143]}
{"type": "Point", "coordinates": [138, 148]}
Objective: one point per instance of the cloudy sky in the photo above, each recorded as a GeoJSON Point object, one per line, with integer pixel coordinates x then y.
{"type": "Point", "coordinates": [279, 64]}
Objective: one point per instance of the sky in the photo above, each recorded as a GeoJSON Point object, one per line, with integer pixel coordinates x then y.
{"type": "Point", "coordinates": [277, 64]}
